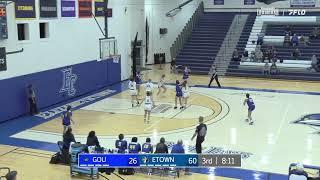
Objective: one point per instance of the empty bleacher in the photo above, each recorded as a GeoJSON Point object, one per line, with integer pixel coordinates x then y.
{"type": "Point", "coordinates": [200, 50]}
{"type": "Point", "coordinates": [246, 32]}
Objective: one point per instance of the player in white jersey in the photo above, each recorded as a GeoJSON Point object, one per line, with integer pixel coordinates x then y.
{"type": "Point", "coordinates": [133, 91]}
{"type": "Point", "coordinates": [161, 85]}
{"type": "Point", "coordinates": [149, 88]}
{"type": "Point", "coordinates": [185, 93]}
{"type": "Point", "coordinates": [148, 104]}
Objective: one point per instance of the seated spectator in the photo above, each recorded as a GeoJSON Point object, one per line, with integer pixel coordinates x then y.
{"type": "Point", "coordinates": [288, 30]}
{"type": "Point", "coordinates": [298, 171]}
{"type": "Point", "coordinates": [251, 56]}
{"type": "Point", "coordinates": [303, 40]}
{"type": "Point", "coordinates": [315, 33]}
{"type": "Point", "coordinates": [295, 40]}
{"type": "Point", "coordinates": [161, 147]}
{"type": "Point", "coordinates": [245, 56]}
{"type": "Point", "coordinates": [314, 63]}
{"type": "Point", "coordinates": [258, 55]}
{"type": "Point", "coordinates": [260, 39]}
{"type": "Point", "coordinates": [92, 139]}
{"type": "Point", "coordinates": [121, 144]}
{"type": "Point", "coordinates": [286, 41]}
{"type": "Point", "coordinates": [273, 69]}
{"type": "Point", "coordinates": [68, 137]}
{"type": "Point", "coordinates": [266, 69]}
{"type": "Point", "coordinates": [147, 146]}
{"type": "Point", "coordinates": [235, 55]}
{"type": "Point", "coordinates": [296, 53]}
{"type": "Point", "coordinates": [134, 147]}
{"type": "Point", "coordinates": [178, 148]}
{"type": "Point", "coordinates": [265, 55]}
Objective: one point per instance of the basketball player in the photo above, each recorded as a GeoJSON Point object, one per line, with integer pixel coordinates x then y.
{"type": "Point", "coordinates": [134, 147]}
{"type": "Point", "coordinates": [138, 81]}
{"type": "Point", "coordinates": [148, 107]}
{"type": "Point", "coordinates": [186, 72]}
{"type": "Point", "coordinates": [178, 94]}
{"type": "Point", "coordinates": [185, 93]}
{"type": "Point", "coordinates": [149, 88]}
{"type": "Point", "coordinates": [161, 84]}
{"type": "Point", "coordinates": [67, 119]}
{"type": "Point", "coordinates": [147, 146]}
{"type": "Point", "coordinates": [133, 91]}
{"type": "Point", "coordinates": [251, 107]}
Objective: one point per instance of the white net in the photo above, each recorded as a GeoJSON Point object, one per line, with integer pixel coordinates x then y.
{"type": "Point", "coordinates": [108, 48]}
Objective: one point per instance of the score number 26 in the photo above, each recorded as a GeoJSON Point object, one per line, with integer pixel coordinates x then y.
{"type": "Point", "coordinates": [133, 161]}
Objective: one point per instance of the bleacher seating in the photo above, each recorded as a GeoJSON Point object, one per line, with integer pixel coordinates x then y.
{"type": "Point", "coordinates": [285, 52]}
{"type": "Point", "coordinates": [290, 68]}
{"type": "Point", "coordinates": [200, 50]}
{"type": "Point", "coordinates": [246, 32]}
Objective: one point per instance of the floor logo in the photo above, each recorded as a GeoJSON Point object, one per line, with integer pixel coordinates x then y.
{"type": "Point", "coordinates": [309, 119]}
{"type": "Point", "coordinates": [68, 82]}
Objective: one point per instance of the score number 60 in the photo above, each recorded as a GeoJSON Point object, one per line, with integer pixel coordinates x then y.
{"type": "Point", "coordinates": [192, 161]}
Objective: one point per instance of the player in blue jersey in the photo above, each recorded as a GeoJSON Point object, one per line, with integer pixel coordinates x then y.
{"type": "Point", "coordinates": [121, 144]}
{"type": "Point", "coordinates": [178, 94]}
{"type": "Point", "coordinates": [186, 72]}
{"type": "Point", "coordinates": [67, 119]}
{"type": "Point", "coordinates": [147, 146]}
{"type": "Point", "coordinates": [251, 107]}
{"type": "Point", "coordinates": [138, 81]}
{"type": "Point", "coordinates": [134, 147]}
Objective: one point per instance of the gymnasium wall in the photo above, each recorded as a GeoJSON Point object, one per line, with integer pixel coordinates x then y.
{"type": "Point", "coordinates": [56, 85]}
{"type": "Point", "coordinates": [71, 41]}
{"type": "Point", "coordinates": [155, 11]}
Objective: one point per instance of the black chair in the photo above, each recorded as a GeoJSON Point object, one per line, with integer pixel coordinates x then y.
{"type": "Point", "coordinates": [11, 175]}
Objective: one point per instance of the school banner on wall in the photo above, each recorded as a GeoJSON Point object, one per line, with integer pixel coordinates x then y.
{"type": "Point", "coordinates": [25, 9]}
{"type": "Point", "coordinates": [249, 2]}
{"type": "Point", "coordinates": [85, 8]}
{"type": "Point", "coordinates": [99, 8]}
{"type": "Point", "coordinates": [218, 2]}
{"type": "Point", "coordinates": [68, 8]}
{"type": "Point", "coordinates": [48, 8]}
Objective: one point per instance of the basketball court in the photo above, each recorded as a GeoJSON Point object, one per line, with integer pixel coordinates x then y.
{"type": "Point", "coordinates": [269, 145]}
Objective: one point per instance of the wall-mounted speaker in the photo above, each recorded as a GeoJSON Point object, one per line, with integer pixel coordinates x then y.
{"type": "Point", "coordinates": [163, 30]}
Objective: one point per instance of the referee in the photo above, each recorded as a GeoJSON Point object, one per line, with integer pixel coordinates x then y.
{"type": "Point", "coordinates": [214, 75]}
{"type": "Point", "coordinates": [201, 132]}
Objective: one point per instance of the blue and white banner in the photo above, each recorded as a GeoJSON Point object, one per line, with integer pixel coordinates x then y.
{"type": "Point", "coordinates": [218, 2]}
{"type": "Point", "coordinates": [249, 2]}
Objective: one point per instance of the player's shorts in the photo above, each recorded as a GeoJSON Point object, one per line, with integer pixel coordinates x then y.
{"type": "Point", "coordinates": [149, 92]}
{"type": "Point", "coordinates": [161, 86]}
{"type": "Point", "coordinates": [148, 107]}
{"type": "Point", "coordinates": [133, 92]}
{"type": "Point", "coordinates": [251, 108]}
{"type": "Point", "coordinates": [179, 94]}
{"type": "Point", "coordinates": [186, 95]}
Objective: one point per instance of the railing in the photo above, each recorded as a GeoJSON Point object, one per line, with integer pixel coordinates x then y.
{"type": "Point", "coordinates": [186, 32]}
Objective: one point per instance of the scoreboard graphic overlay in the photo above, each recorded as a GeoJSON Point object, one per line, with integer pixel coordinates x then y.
{"type": "Point", "coordinates": [158, 160]}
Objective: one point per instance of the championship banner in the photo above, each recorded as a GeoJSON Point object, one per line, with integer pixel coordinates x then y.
{"type": "Point", "coordinates": [99, 8]}
{"type": "Point", "coordinates": [68, 8]}
{"type": "Point", "coordinates": [85, 8]}
{"type": "Point", "coordinates": [3, 21]}
{"type": "Point", "coordinates": [302, 3]}
{"type": "Point", "coordinates": [25, 9]}
{"type": "Point", "coordinates": [249, 2]}
{"type": "Point", "coordinates": [218, 2]}
{"type": "Point", "coordinates": [48, 8]}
